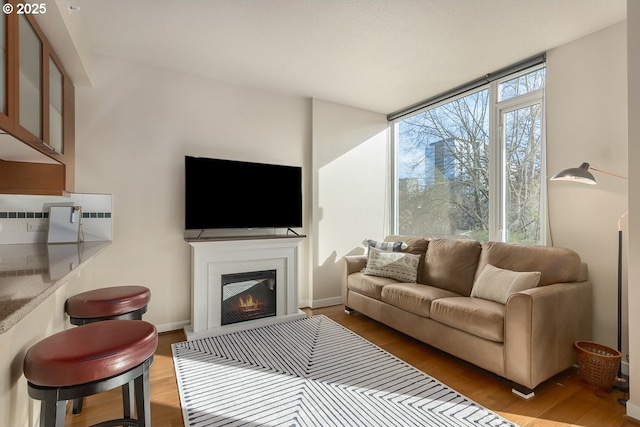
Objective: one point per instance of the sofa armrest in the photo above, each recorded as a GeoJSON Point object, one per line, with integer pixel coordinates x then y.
{"type": "Point", "coordinates": [350, 264]}
{"type": "Point", "coordinates": [541, 326]}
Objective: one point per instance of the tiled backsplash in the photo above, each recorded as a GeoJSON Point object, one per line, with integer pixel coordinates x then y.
{"type": "Point", "coordinates": [25, 219]}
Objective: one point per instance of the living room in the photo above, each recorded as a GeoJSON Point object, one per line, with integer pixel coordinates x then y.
{"type": "Point", "coordinates": [135, 122]}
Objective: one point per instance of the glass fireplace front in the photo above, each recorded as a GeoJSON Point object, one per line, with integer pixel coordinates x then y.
{"type": "Point", "coordinates": [248, 296]}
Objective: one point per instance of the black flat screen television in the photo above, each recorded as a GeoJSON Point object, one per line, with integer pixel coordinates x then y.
{"type": "Point", "coordinates": [235, 194]}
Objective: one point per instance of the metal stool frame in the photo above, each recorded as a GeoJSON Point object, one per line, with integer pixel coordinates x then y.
{"type": "Point", "coordinates": [54, 399]}
{"type": "Point", "coordinates": [79, 321]}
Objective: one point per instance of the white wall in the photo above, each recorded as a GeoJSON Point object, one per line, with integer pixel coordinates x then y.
{"type": "Point", "coordinates": [587, 122]}
{"type": "Point", "coordinates": [633, 59]}
{"type": "Point", "coordinates": [350, 158]}
{"type": "Point", "coordinates": [133, 129]}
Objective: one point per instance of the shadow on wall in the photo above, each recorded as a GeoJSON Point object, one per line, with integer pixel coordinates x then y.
{"type": "Point", "coordinates": [331, 266]}
{"type": "Point", "coordinates": [326, 289]}
{"type": "Point", "coordinates": [328, 277]}
{"type": "Point", "coordinates": [355, 251]}
{"type": "Point", "coordinates": [328, 266]}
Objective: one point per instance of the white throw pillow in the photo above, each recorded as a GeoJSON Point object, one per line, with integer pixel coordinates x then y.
{"type": "Point", "coordinates": [497, 284]}
{"type": "Point", "coordinates": [395, 265]}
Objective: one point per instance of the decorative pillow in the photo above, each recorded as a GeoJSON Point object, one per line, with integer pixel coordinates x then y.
{"type": "Point", "coordinates": [497, 284]}
{"type": "Point", "coordinates": [395, 265]}
{"type": "Point", "coordinates": [385, 246]}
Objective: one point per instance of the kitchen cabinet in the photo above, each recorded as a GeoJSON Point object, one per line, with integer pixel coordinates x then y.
{"type": "Point", "coordinates": [37, 108]}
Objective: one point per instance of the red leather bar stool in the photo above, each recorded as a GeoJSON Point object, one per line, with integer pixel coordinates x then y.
{"type": "Point", "coordinates": [116, 302]}
{"type": "Point", "coordinates": [88, 360]}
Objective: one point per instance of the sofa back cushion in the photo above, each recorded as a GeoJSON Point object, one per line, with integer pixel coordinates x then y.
{"type": "Point", "coordinates": [451, 264]}
{"type": "Point", "coordinates": [556, 265]}
{"type": "Point", "coordinates": [415, 245]}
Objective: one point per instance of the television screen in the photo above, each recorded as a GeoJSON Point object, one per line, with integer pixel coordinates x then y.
{"type": "Point", "coordinates": [236, 194]}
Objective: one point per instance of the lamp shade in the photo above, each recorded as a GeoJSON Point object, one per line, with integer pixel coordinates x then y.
{"type": "Point", "coordinates": [580, 174]}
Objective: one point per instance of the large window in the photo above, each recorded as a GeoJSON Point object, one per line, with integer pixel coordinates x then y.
{"type": "Point", "coordinates": [471, 166]}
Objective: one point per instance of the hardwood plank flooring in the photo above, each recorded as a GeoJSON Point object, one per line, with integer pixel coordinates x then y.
{"type": "Point", "coordinates": [562, 401]}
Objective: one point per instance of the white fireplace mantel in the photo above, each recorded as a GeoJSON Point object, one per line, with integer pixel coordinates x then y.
{"type": "Point", "coordinates": [212, 258]}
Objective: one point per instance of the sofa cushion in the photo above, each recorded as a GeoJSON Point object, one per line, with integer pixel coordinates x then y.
{"type": "Point", "coordinates": [479, 317]}
{"type": "Point", "coordinates": [413, 297]}
{"type": "Point", "coordinates": [451, 265]}
{"type": "Point", "coordinates": [395, 265]}
{"type": "Point", "coordinates": [370, 286]}
{"type": "Point", "coordinates": [556, 265]}
{"type": "Point", "coordinates": [415, 245]}
{"type": "Point", "coordinates": [497, 284]}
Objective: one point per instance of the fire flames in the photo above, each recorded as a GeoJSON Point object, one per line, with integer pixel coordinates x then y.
{"type": "Point", "coordinates": [248, 303]}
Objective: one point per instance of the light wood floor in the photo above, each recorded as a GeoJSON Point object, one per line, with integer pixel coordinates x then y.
{"type": "Point", "coordinates": [561, 401]}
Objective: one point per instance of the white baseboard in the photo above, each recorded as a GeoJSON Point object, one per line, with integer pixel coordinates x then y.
{"type": "Point", "coordinates": [304, 303]}
{"type": "Point", "coordinates": [174, 326]}
{"type": "Point", "coordinates": [327, 302]}
{"type": "Point", "coordinates": [633, 411]}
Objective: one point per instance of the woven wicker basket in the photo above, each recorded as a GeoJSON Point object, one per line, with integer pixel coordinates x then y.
{"type": "Point", "coordinates": [598, 365]}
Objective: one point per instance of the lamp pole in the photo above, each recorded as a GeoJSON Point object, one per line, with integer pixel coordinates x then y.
{"type": "Point", "coordinates": [581, 174]}
{"type": "Point", "coordinates": [620, 378]}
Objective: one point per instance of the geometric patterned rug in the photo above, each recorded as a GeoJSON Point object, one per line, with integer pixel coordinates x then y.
{"type": "Point", "coordinates": [311, 372]}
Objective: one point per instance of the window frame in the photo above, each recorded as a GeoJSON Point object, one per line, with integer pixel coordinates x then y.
{"type": "Point", "coordinates": [496, 148]}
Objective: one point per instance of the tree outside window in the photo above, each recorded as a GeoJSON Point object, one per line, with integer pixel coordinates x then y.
{"type": "Point", "coordinates": [445, 186]}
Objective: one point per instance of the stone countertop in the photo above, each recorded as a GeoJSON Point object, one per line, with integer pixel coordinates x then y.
{"type": "Point", "coordinates": [30, 273]}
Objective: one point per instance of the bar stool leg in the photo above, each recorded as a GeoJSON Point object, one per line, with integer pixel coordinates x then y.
{"type": "Point", "coordinates": [143, 396]}
{"type": "Point", "coordinates": [52, 412]}
{"type": "Point", "coordinates": [128, 401]}
{"type": "Point", "coordinates": [77, 406]}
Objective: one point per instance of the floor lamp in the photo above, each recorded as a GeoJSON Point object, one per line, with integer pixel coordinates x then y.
{"type": "Point", "coordinates": [581, 174]}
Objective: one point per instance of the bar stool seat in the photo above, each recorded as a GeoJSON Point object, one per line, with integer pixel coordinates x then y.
{"type": "Point", "coordinates": [117, 302]}
{"type": "Point", "coordinates": [83, 361]}
{"type": "Point", "coordinates": [97, 305]}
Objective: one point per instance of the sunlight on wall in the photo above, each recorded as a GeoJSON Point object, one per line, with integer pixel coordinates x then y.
{"type": "Point", "coordinates": [352, 198]}
{"type": "Point", "coordinates": [350, 157]}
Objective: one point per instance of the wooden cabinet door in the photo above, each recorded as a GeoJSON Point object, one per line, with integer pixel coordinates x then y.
{"type": "Point", "coordinates": [37, 103]}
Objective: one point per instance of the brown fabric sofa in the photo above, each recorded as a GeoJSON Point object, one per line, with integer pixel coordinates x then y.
{"type": "Point", "coordinates": [526, 340]}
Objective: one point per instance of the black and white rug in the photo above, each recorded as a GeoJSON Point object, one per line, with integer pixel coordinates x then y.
{"type": "Point", "coordinates": [312, 372]}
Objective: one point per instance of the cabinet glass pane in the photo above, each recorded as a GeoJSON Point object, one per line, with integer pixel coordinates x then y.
{"type": "Point", "coordinates": [30, 78]}
{"type": "Point", "coordinates": [3, 63]}
{"type": "Point", "coordinates": [55, 106]}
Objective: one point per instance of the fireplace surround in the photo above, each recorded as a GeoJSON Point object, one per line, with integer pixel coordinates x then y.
{"type": "Point", "coordinates": [241, 263]}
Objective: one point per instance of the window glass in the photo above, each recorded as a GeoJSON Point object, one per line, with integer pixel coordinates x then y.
{"type": "Point", "coordinates": [523, 142]}
{"type": "Point", "coordinates": [443, 169]}
{"type": "Point", "coordinates": [463, 174]}
{"type": "Point", "coordinates": [522, 84]}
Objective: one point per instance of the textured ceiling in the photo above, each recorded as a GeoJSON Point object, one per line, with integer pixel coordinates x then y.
{"type": "Point", "coordinates": [380, 55]}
